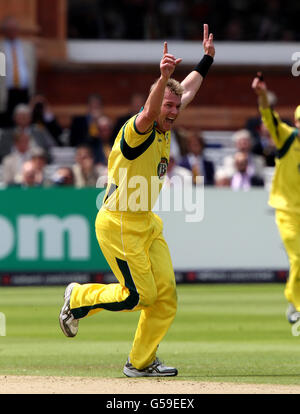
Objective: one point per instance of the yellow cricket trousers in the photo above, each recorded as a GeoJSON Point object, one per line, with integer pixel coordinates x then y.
{"type": "Point", "coordinates": [289, 229]}
{"type": "Point", "coordinates": [139, 257]}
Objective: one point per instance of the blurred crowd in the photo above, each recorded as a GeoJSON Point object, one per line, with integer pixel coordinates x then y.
{"type": "Point", "coordinates": [28, 158]}
{"type": "Point", "coordinates": [234, 20]}
{"type": "Point", "coordinates": [40, 148]}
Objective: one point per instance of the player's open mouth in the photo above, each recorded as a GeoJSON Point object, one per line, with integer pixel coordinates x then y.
{"type": "Point", "coordinates": [170, 120]}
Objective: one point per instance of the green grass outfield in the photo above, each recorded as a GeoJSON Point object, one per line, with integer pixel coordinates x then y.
{"type": "Point", "coordinates": [231, 333]}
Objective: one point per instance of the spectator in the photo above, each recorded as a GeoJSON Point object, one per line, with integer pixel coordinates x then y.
{"type": "Point", "coordinates": [64, 121]}
{"type": "Point", "coordinates": [243, 143]}
{"type": "Point", "coordinates": [39, 130]}
{"type": "Point", "coordinates": [101, 144]}
{"type": "Point", "coordinates": [28, 176]}
{"type": "Point", "coordinates": [268, 148]}
{"type": "Point", "coordinates": [22, 116]}
{"type": "Point", "coordinates": [136, 102]}
{"type": "Point", "coordinates": [243, 178]}
{"type": "Point", "coordinates": [63, 177]}
{"type": "Point", "coordinates": [19, 82]}
{"type": "Point", "coordinates": [178, 144]}
{"type": "Point", "coordinates": [222, 179]}
{"type": "Point", "coordinates": [86, 173]}
{"type": "Point", "coordinates": [13, 162]}
{"type": "Point", "coordinates": [22, 122]}
{"type": "Point", "coordinates": [85, 127]}
{"type": "Point", "coordinates": [195, 159]}
{"type": "Point", "coordinates": [175, 170]}
{"type": "Point", "coordinates": [39, 161]}
{"type": "Point", "coordinates": [44, 116]}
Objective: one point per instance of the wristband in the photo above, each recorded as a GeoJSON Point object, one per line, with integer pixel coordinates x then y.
{"type": "Point", "coordinates": [204, 65]}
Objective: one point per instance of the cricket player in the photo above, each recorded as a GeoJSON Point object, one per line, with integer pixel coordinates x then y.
{"type": "Point", "coordinates": [130, 235]}
{"type": "Point", "coordinates": [285, 190]}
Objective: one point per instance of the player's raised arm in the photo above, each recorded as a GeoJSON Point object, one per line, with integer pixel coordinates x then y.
{"type": "Point", "coordinates": [260, 88]}
{"type": "Point", "coordinates": [279, 131]}
{"type": "Point", "coordinates": [194, 80]}
{"type": "Point", "coordinates": [153, 104]}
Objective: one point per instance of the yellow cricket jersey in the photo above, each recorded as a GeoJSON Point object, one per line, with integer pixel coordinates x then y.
{"type": "Point", "coordinates": [136, 168]}
{"type": "Point", "coordinates": [285, 190]}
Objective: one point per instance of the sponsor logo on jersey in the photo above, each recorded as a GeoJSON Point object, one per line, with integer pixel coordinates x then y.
{"type": "Point", "coordinates": [162, 168]}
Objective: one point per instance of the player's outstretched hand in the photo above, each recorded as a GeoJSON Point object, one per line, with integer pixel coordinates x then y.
{"type": "Point", "coordinates": [168, 63]}
{"type": "Point", "coordinates": [208, 42]}
{"type": "Point", "coordinates": [258, 84]}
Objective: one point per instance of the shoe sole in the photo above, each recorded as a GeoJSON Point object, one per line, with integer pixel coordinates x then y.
{"type": "Point", "coordinates": [64, 328]}
{"type": "Point", "coordinates": [134, 374]}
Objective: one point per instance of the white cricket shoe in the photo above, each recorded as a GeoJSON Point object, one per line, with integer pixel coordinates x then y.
{"type": "Point", "coordinates": [292, 314]}
{"type": "Point", "coordinates": [156, 369]}
{"type": "Point", "coordinates": [68, 324]}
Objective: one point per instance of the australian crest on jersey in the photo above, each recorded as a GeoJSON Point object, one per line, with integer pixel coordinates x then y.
{"type": "Point", "coordinates": [163, 164]}
{"type": "Point", "coordinates": [162, 168]}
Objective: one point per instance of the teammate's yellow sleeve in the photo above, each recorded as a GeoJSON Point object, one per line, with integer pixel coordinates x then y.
{"type": "Point", "coordinates": [280, 131]}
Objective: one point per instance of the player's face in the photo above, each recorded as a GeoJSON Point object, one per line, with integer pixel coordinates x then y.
{"type": "Point", "coordinates": [169, 110]}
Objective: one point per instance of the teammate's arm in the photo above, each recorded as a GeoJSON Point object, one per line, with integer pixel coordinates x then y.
{"type": "Point", "coordinates": [194, 79]}
{"type": "Point", "coordinates": [260, 88]}
{"type": "Point", "coordinates": [279, 130]}
{"type": "Point", "coordinates": [151, 111]}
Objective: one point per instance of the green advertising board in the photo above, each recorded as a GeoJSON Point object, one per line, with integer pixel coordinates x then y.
{"type": "Point", "coordinates": [49, 229]}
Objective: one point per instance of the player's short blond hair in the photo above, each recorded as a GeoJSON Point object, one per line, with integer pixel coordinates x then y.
{"type": "Point", "coordinates": [173, 85]}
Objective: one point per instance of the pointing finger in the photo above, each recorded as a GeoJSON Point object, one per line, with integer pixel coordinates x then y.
{"type": "Point", "coordinates": [205, 32]}
{"type": "Point", "coordinates": [165, 48]}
